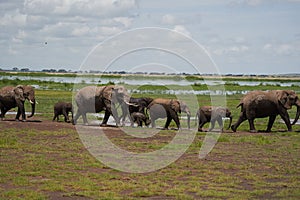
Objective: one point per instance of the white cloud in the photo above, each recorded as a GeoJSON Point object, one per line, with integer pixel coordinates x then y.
{"type": "Point", "coordinates": [280, 49]}
{"type": "Point", "coordinates": [80, 31]}
{"type": "Point", "coordinates": [13, 19]}
{"type": "Point", "coordinates": [79, 7]}
{"type": "Point", "coordinates": [108, 31]}
{"type": "Point", "coordinates": [169, 19]}
{"type": "Point", "coordinates": [182, 29]}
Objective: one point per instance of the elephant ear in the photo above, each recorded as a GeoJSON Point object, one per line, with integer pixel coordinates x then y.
{"type": "Point", "coordinates": [175, 105]}
{"type": "Point", "coordinates": [19, 93]}
{"type": "Point", "coordinates": [107, 92]}
{"type": "Point", "coordinates": [221, 111]}
{"type": "Point", "coordinates": [283, 98]}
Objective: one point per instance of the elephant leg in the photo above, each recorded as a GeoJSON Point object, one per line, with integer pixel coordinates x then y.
{"type": "Point", "coordinates": [153, 118]}
{"type": "Point", "coordinates": [105, 119]}
{"type": "Point", "coordinates": [220, 122]}
{"type": "Point", "coordinates": [22, 110]}
{"type": "Point", "coordinates": [111, 110]}
{"type": "Point", "coordinates": [3, 112]}
{"type": "Point", "coordinates": [85, 122]}
{"type": "Point", "coordinates": [66, 116]}
{"type": "Point", "coordinates": [212, 125]}
{"type": "Point", "coordinates": [19, 113]}
{"type": "Point", "coordinates": [251, 124]}
{"type": "Point", "coordinates": [169, 119]}
{"type": "Point", "coordinates": [271, 122]}
{"type": "Point", "coordinates": [54, 117]}
{"type": "Point", "coordinates": [153, 125]}
{"type": "Point", "coordinates": [175, 117]}
{"type": "Point", "coordinates": [201, 124]}
{"type": "Point", "coordinates": [241, 119]}
{"type": "Point", "coordinates": [72, 116]}
{"type": "Point", "coordinates": [131, 120]}
{"type": "Point", "coordinates": [140, 122]}
{"type": "Point", "coordinates": [76, 117]}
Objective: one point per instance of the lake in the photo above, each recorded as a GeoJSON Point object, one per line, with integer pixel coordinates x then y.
{"type": "Point", "coordinates": [146, 81]}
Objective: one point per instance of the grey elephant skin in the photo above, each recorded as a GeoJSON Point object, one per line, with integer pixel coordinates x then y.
{"type": "Point", "coordinates": [93, 99]}
{"type": "Point", "coordinates": [212, 114]}
{"type": "Point", "coordinates": [139, 118]}
{"type": "Point", "coordinates": [168, 108]}
{"type": "Point", "coordinates": [63, 108]}
{"type": "Point", "coordinates": [137, 105]}
{"type": "Point", "coordinates": [260, 104]}
{"type": "Point", "coordinates": [11, 97]}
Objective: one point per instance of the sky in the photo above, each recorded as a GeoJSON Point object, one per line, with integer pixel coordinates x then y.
{"type": "Point", "coordinates": [235, 36]}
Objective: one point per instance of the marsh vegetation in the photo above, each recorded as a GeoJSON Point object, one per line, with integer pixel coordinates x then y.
{"type": "Point", "coordinates": [47, 160]}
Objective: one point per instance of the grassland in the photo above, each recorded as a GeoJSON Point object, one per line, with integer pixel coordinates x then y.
{"type": "Point", "coordinates": [47, 160]}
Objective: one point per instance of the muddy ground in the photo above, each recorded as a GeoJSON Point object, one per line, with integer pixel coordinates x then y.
{"type": "Point", "coordinates": [256, 165]}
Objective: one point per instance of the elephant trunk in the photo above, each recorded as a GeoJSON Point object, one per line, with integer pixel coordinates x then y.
{"type": "Point", "coordinates": [32, 107]}
{"type": "Point", "coordinates": [189, 120]}
{"type": "Point", "coordinates": [297, 115]}
{"type": "Point", "coordinates": [230, 121]}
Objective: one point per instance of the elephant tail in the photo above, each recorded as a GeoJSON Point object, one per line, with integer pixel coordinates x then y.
{"type": "Point", "coordinates": [240, 104]}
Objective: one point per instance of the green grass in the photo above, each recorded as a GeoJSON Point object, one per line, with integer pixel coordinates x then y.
{"type": "Point", "coordinates": [41, 164]}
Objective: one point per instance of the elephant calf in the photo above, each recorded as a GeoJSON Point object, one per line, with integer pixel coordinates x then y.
{"type": "Point", "coordinates": [212, 114]}
{"type": "Point", "coordinates": [63, 108]}
{"type": "Point", "coordinates": [139, 118]}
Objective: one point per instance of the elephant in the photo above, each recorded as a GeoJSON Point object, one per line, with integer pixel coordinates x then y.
{"type": "Point", "coordinates": [139, 105]}
{"type": "Point", "coordinates": [139, 118]}
{"type": "Point", "coordinates": [212, 114]}
{"type": "Point", "coordinates": [161, 108]}
{"type": "Point", "coordinates": [94, 99]}
{"type": "Point", "coordinates": [260, 104]}
{"type": "Point", "coordinates": [11, 97]}
{"type": "Point", "coordinates": [63, 108]}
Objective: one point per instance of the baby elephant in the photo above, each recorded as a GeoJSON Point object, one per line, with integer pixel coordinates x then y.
{"type": "Point", "coordinates": [212, 114]}
{"type": "Point", "coordinates": [139, 118]}
{"type": "Point", "coordinates": [63, 108]}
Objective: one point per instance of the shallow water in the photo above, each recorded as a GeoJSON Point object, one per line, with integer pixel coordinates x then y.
{"type": "Point", "coordinates": [147, 81]}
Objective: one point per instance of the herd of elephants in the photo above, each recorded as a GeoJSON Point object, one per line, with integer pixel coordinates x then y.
{"type": "Point", "coordinates": [94, 99]}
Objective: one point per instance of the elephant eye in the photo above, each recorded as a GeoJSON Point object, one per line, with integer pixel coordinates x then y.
{"type": "Point", "coordinates": [292, 98]}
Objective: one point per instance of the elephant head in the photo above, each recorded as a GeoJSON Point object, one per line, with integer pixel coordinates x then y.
{"type": "Point", "coordinates": [288, 98]}
{"type": "Point", "coordinates": [175, 105]}
{"type": "Point", "coordinates": [23, 92]}
{"type": "Point", "coordinates": [116, 93]}
{"type": "Point", "coordinates": [224, 112]}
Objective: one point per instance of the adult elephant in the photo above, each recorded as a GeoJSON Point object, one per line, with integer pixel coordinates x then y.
{"type": "Point", "coordinates": [260, 104]}
{"type": "Point", "coordinates": [93, 99]}
{"type": "Point", "coordinates": [11, 97]}
{"type": "Point", "coordinates": [162, 108]}
{"type": "Point", "coordinates": [137, 105]}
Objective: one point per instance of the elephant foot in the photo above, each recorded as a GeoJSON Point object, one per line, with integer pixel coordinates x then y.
{"type": "Point", "coordinates": [253, 131]}
{"type": "Point", "coordinates": [233, 128]}
{"type": "Point", "coordinates": [23, 120]}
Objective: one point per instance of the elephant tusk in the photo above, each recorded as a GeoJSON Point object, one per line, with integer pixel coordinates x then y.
{"type": "Point", "coordinates": [132, 104]}
{"type": "Point", "coordinates": [30, 101]}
